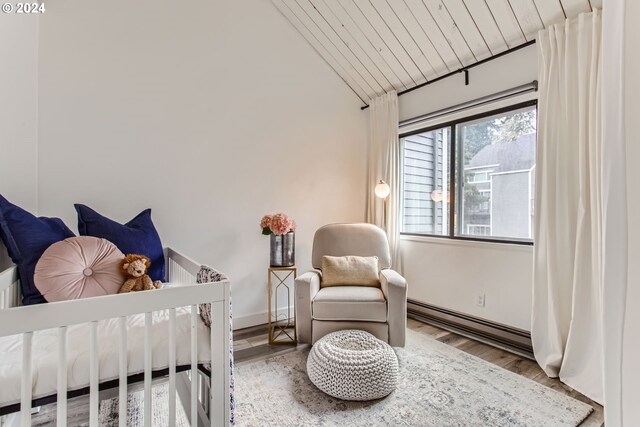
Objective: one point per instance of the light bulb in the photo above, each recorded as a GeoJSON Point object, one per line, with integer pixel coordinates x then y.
{"type": "Point", "coordinates": [382, 190]}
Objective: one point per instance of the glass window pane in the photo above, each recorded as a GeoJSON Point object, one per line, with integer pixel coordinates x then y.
{"type": "Point", "coordinates": [425, 186]}
{"type": "Point", "coordinates": [495, 163]}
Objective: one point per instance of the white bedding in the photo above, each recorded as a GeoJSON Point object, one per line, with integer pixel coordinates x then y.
{"type": "Point", "coordinates": [45, 353]}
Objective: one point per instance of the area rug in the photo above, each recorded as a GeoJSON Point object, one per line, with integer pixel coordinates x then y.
{"type": "Point", "coordinates": [135, 409]}
{"type": "Point", "coordinates": [439, 386]}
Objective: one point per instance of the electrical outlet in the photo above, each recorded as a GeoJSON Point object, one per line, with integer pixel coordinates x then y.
{"type": "Point", "coordinates": [480, 300]}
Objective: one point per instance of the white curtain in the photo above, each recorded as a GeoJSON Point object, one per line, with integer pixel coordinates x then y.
{"type": "Point", "coordinates": [384, 164]}
{"type": "Point", "coordinates": [621, 273]}
{"type": "Point", "coordinates": [567, 289]}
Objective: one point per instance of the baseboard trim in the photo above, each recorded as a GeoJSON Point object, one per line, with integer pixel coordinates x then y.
{"type": "Point", "coordinates": [503, 336]}
{"type": "Point", "coordinates": [249, 320]}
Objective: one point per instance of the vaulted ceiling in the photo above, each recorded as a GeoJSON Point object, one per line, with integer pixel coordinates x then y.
{"type": "Point", "coordinates": [380, 45]}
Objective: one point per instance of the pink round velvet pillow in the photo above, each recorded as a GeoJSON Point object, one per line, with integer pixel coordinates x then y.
{"type": "Point", "coordinates": [79, 267]}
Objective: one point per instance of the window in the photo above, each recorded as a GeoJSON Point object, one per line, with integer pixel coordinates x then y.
{"type": "Point", "coordinates": [473, 178]}
{"type": "Point", "coordinates": [479, 176]}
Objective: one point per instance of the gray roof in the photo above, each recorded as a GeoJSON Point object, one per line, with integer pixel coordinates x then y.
{"type": "Point", "coordinates": [510, 156]}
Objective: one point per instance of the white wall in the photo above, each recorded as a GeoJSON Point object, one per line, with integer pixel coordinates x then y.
{"type": "Point", "coordinates": [515, 69]}
{"type": "Point", "coordinates": [212, 114]}
{"type": "Point", "coordinates": [451, 274]}
{"type": "Point", "coordinates": [18, 111]}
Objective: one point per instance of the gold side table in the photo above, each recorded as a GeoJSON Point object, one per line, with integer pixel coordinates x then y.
{"type": "Point", "coordinates": [282, 323]}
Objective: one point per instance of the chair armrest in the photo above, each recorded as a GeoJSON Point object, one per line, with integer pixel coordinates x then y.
{"type": "Point", "coordinates": [394, 288]}
{"type": "Point", "coordinates": [306, 287]}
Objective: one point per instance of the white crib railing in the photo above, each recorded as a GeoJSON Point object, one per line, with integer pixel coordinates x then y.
{"type": "Point", "coordinates": [182, 292]}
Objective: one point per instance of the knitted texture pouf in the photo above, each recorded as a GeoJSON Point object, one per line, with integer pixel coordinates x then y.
{"type": "Point", "coordinates": [353, 365]}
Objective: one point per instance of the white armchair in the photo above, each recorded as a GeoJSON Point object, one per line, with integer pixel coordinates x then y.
{"type": "Point", "coordinates": [381, 311]}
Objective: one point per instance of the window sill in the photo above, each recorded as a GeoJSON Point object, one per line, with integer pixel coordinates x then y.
{"type": "Point", "coordinates": [509, 246]}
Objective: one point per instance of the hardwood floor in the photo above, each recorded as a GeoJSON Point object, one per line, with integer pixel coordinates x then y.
{"type": "Point", "coordinates": [251, 344]}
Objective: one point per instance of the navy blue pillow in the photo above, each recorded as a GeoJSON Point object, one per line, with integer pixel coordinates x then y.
{"type": "Point", "coordinates": [138, 236]}
{"type": "Point", "coordinates": [26, 238]}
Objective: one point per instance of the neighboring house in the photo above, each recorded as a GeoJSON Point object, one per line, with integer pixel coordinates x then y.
{"type": "Point", "coordinates": [499, 186]}
{"type": "Point", "coordinates": [425, 172]}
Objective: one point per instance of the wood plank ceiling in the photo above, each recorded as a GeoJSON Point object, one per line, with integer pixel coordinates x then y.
{"type": "Point", "coordinates": [380, 45]}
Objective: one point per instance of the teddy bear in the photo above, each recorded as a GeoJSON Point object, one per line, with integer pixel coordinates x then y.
{"type": "Point", "coordinates": [134, 267]}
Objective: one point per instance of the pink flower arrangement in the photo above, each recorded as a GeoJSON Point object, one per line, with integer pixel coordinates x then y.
{"type": "Point", "coordinates": [277, 224]}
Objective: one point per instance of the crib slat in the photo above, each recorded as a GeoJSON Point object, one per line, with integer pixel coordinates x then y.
{"type": "Point", "coordinates": [94, 398]}
{"type": "Point", "coordinates": [220, 364]}
{"type": "Point", "coordinates": [25, 399]}
{"type": "Point", "coordinates": [122, 403]}
{"type": "Point", "coordinates": [62, 377]}
{"type": "Point", "coordinates": [194, 365]}
{"type": "Point", "coordinates": [147, 369]}
{"type": "Point", "coordinates": [172, 367]}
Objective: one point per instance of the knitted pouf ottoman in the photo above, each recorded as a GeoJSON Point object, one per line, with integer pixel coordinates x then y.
{"type": "Point", "coordinates": [353, 365]}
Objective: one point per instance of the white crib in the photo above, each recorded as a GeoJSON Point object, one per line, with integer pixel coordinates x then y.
{"type": "Point", "coordinates": [204, 404]}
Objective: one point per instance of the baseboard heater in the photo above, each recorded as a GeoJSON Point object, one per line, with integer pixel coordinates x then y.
{"type": "Point", "coordinates": [507, 337]}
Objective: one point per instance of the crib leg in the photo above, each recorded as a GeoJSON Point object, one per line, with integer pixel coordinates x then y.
{"type": "Point", "coordinates": [183, 387]}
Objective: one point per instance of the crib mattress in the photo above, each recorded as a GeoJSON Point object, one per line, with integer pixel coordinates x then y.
{"type": "Point", "coordinates": [45, 353]}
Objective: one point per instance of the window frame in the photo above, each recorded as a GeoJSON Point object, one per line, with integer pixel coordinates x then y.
{"type": "Point", "coordinates": [455, 190]}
